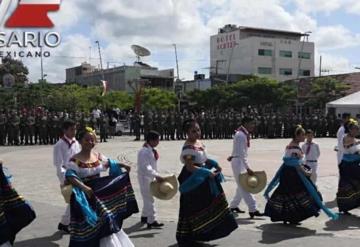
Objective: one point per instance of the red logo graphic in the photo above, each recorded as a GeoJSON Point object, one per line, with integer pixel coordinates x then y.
{"type": "Point", "coordinates": [33, 13]}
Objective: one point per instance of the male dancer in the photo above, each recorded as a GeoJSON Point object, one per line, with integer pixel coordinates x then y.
{"type": "Point", "coordinates": [64, 149]}
{"type": "Point", "coordinates": [240, 165]}
{"type": "Point", "coordinates": [147, 172]}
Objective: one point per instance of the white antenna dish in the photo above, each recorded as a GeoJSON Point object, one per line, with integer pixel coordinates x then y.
{"type": "Point", "coordinates": [140, 51]}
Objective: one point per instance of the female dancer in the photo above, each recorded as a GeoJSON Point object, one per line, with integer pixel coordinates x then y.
{"type": "Point", "coordinates": [204, 212]}
{"type": "Point", "coordinates": [15, 212]}
{"type": "Point", "coordinates": [348, 195]}
{"type": "Point", "coordinates": [296, 198]}
{"type": "Point", "coordinates": [98, 204]}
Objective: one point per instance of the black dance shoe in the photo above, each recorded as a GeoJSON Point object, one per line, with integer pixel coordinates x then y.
{"type": "Point", "coordinates": [155, 224]}
{"type": "Point", "coordinates": [237, 210]}
{"type": "Point", "coordinates": [256, 213]}
{"type": "Point", "coordinates": [143, 220]}
{"type": "Point", "coordinates": [64, 228]}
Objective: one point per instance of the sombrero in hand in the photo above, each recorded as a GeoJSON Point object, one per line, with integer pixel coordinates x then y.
{"type": "Point", "coordinates": [253, 184]}
{"type": "Point", "coordinates": [166, 189]}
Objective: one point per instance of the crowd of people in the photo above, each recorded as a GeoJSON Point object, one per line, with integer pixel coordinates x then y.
{"type": "Point", "coordinates": [98, 205]}
{"type": "Point", "coordinates": [41, 126]}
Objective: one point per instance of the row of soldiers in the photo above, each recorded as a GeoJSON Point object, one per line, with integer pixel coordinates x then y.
{"type": "Point", "coordinates": [44, 127]}
{"type": "Point", "coordinates": [223, 125]}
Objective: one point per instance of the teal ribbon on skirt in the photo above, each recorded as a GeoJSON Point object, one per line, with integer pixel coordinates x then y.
{"type": "Point", "coordinates": [199, 176]}
{"type": "Point", "coordinates": [89, 213]}
{"type": "Point", "coordinates": [351, 157]}
{"type": "Point", "coordinates": [295, 162]}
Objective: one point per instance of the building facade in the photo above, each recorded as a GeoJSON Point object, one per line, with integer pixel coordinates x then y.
{"type": "Point", "coordinates": [281, 55]}
{"type": "Point", "coordinates": [118, 78]}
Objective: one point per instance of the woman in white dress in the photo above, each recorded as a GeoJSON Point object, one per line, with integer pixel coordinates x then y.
{"type": "Point", "coordinates": [98, 204]}
{"type": "Point", "coordinates": [348, 195]}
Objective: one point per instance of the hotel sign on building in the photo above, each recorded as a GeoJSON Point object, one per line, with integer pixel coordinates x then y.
{"type": "Point", "coordinates": [281, 55]}
{"type": "Point", "coordinates": [227, 40]}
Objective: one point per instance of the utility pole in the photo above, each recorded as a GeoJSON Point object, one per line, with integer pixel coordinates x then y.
{"type": "Point", "coordinates": [101, 67]}
{"type": "Point", "coordinates": [229, 63]}
{"type": "Point", "coordinates": [320, 66]}
{"type": "Point", "coordinates": [42, 66]}
{"type": "Point", "coordinates": [89, 54]}
{"type": "Point", "coordinates": [177, 63]}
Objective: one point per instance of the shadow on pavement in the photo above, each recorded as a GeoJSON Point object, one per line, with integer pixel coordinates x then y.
{"type": "Point", "coordinates": [135, 228]}
{"type": "Point", "coordinates": [145, 235]}
{"type": "Point", "coordinates": [200, 245]}
{"type": "Point", "coordinates": [244, 222]}
{"type": "Point", "coordinates": [275, 233]}
{"type": "Point", "coordinates": [331, 204]}
{"type": "Point", "coordinates": [345, 222]}
{"type": "Point", "coordinates": [41, 242]}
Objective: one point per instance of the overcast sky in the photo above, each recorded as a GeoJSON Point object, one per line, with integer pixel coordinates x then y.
{"type": "Point", "coordinates": [157, 24]}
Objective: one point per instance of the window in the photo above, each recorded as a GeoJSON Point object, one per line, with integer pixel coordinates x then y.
{"type": "Point", "coordinates": [264, 71]}
{"type": "Point", "coordinates": [285, 53]}
{"type": "Point", "coordinates": [304, 55]}
{"type": "Point", "coordinates": [285, 71]}
{"type": "Point", "coordinates": [265, 52]}
{"type": "Point", "coordinates": [304, 72]}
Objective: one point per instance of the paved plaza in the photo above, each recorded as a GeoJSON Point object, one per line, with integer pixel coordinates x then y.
{"type": "Point", "coordinates": [35, 179]}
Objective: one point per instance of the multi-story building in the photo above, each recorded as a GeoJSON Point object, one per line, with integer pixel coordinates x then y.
{"type": "Point", "coordinates": [118, 78]}
{"type": "Point", "coordinates": [281, 55]}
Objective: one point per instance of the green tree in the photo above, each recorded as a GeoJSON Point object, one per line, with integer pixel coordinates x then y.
{"type": "Point", "coordinates": [15, 68]}
{"type": "Point", "coordinates": [255, 91]}
{"type": "Point", "coordinates": [155, 98]}
{"type": "Point", "coordinates": [326, 89]}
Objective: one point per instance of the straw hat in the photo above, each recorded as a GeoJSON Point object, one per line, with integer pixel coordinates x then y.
{"type": "Point", "coordinates": [166, 189]}
{"type": "Point", "coordinates": [66, 192]}
{"type": "Point", "coordinates": [253, 184]}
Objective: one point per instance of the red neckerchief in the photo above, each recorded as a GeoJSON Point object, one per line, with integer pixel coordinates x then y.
{"type": "Point", "coordinates": [65, 139]}
{"type": "Point", "coordinates": [156, 154]}
{"type": "Point", "coordinates": [242, 129]}
{"type": "Point", "coordinates": [308, 148]}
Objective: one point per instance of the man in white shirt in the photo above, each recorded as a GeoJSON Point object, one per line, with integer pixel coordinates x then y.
{"type": "Point", "coordinates": [239, 164]}
{"type": "Point", "coordinates": [147, 172]}
{"type": "Point", "coordinates": [340, 135]}
{"type": "Point", "coordinates": [312, 154]}
{"type": "Point", "coordinates": [64, 149]}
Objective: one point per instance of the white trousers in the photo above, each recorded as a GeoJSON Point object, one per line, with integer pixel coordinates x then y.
{"type": "Point", "coordinates": [241, 193]}
{"type": "Point", "coordinates": [7, 244]}
{"type": "Point", "coordinates": [148, 200]}
{"type": "Point", "coordinates": [314, 168]}
{"type": "Point", "coordinates": [65, 218]}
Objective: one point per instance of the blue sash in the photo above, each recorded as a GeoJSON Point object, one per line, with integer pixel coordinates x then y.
{"type": "Point", "coordinates": [199, 176]}
{"type": "Point", "coordinates": [351, 157]}
{"type": "Point", "coordinates": [295, 162]}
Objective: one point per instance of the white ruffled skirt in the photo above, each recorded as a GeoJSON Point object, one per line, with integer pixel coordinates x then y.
{"type": "Point", "coordinates": [119, 239]}
{"type": "Point", "coordinates": [7, 244]}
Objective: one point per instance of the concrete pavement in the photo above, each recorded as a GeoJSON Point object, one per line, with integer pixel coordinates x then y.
{"type": "Point", "coordinates": [35, 179]}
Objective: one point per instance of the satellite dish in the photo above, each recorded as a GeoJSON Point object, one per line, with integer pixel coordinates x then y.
{"type": "Point", "coordinates": [140, 51]}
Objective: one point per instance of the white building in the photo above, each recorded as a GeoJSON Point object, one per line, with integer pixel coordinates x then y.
{"type": "Point", "coordinates": [118, 77]}
{"type": "Point", "coordinates": [281, 55]}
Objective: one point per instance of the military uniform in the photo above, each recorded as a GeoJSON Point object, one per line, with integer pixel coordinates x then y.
{"type": "Point", "coordinates": [22, 128]}
{"type": "Point", "coordinates": [43, 132]}
{"type": "Point", "coordinates": [14, 129]}
{"type": "Point", "coordinates": [30, 130]}
{"type": "Point", "coordinates": [3, 123]}
{"type": "Point", "coordinates": [104, 122]}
